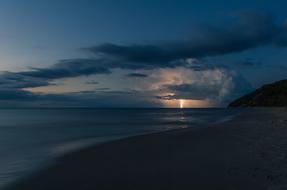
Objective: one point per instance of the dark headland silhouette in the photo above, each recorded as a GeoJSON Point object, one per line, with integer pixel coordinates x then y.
{"type": "Point", "coordinates": [270, 95]}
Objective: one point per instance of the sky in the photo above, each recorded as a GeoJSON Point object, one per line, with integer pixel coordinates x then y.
{"type": "Point", "coordinates": [138, 53]}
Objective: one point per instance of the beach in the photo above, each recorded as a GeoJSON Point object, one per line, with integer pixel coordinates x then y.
{"type": "Point", "coordinates": [247, 152]}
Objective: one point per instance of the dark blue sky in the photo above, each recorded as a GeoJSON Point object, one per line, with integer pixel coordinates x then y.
{"type": "Point", "coordinates": [139, 52]}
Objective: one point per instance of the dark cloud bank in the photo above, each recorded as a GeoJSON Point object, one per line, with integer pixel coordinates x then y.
{"type": "Point", "coordinates": [248, 30]}
{"type": "Point", "coordinates": [137, 75]}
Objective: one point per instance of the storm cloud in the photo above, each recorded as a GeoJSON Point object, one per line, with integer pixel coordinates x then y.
{"type": "Point", "coordinates": [218, 85]}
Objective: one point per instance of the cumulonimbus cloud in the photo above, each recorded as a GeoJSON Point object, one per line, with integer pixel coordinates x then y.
{"type": "Point", "coordinates": [218, 84]}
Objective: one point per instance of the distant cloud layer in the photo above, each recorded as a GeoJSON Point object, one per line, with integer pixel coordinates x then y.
{"type": "Point", "coordinates": [137, 75]}
{"type": "Point", "coordinates": [247, 30]}
{"type": "Point", "coordinates": [69, 68]}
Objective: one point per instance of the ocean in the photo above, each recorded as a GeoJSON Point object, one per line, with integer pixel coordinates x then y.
{"type": "Point", "coordinates": [32, 138]}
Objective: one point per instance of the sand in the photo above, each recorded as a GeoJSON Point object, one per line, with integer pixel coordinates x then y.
{"type": "Point", "coordinates": [249, 152]}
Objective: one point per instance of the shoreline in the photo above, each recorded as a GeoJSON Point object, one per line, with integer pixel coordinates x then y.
{"type": "Point", "coordinates": [229, 155]}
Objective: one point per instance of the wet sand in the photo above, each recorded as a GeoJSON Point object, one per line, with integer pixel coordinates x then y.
{"type": "Point", "coordinates": [249, 152]}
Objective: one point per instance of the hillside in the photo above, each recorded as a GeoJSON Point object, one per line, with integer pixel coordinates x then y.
{"type": "Point", "coordinates": [270, 95]}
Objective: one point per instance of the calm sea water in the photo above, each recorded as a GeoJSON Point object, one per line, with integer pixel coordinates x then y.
{"type": "Point", "coordinates": [30, 138]}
